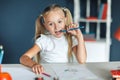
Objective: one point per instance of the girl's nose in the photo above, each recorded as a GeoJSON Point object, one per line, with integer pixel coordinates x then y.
{"type": "Point", "coordinates": [57, 27]}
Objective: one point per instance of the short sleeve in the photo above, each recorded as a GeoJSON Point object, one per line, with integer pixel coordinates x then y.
{"type": "Point", "coordinates": [74, 40]}
{"type": "Point", "coordinates": [41, 42]}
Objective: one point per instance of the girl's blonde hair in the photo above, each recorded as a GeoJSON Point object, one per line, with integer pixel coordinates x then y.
{"type": "Point", "coordinates": [40, 29]}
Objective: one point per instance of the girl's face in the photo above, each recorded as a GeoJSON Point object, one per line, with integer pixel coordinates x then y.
{"type": "Point", "coordinates": [54, 22]}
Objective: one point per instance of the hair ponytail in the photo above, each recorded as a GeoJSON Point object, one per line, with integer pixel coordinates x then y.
{"type": "Point", "coordinates": [68, 16]}
{"type": "Point", "coordinates": [68, 36]}
{"type": "Point", "coordinates": [39, 29]}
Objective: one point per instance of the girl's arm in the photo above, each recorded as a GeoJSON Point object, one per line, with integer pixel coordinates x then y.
{"type": "Point", "coordinates": [80, 50]}
{"type": "Point", "coordinates": [26, 59]}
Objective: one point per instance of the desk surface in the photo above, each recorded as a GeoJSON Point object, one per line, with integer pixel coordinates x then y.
{"type": "Point", "coordinates": [90, 71]}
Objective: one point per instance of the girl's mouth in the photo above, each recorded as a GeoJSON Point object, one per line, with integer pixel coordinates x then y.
{"type": "Point", "coordinates": [57, 32]}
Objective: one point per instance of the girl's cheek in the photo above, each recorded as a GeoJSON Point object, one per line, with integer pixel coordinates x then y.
{"type": "Point", "coordinates": [63, 25]}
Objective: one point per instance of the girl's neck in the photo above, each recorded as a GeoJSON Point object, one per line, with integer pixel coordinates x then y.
{"type": "Point", "coordinates": [57, 38]}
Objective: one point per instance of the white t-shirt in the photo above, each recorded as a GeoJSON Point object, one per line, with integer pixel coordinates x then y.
{"type": "Point", "coordinates": [53, 50]}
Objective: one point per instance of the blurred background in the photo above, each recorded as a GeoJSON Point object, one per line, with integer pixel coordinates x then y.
{"type": "Point", "coordinates": [17, 27]}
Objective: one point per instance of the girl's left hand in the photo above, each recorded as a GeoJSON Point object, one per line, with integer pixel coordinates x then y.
{"type": "Point", "coordinates": [74, 32]}
{"type": "Point", "coordinates": [38, 69]}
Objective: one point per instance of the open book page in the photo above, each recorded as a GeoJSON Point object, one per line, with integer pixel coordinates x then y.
{"type": "Point", "coordinates": [72, 72]}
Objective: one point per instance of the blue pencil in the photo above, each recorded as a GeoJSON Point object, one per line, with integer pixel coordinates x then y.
{"type": "Point", "coordinates": [1, 56]}
{"type": "Point", "coordinates": [71, 29]}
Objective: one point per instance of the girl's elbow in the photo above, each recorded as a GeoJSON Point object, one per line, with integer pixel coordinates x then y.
{"type": "Point", "coordinates": [21, 60]}
{"type": "Point", "coordinates": [82, 61]}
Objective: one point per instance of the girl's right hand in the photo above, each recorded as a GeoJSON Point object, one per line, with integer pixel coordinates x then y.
{"type": "Point", "coordinates": [38, 69]}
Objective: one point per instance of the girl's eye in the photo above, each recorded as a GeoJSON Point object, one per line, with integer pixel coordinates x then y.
{"type": "Point", "coordinates": [59, 21]}
{"type": "Point", "coordinates": [50, 24]}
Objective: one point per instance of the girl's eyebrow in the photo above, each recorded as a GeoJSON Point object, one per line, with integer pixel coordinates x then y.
{"type": "Point", "coordinates": [58, 20]}
{"type": "Point", "coordinates": [48, 21]}
{"type": "Point", "coordinates": [61, 18]}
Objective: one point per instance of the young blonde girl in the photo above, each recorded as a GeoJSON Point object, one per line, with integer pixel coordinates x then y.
{"type": "Point", "coordinates": [52, 45]}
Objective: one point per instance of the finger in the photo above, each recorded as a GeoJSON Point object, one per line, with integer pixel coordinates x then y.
{"type": "Point", "coordinates": [40, 69]}
{"type": "Point", "coordinates": [75, 24]}
{"type": "Point", "coordinates": [70, 31]}
{"type": "Point", "coordinates": [70, 26]}
{"type": "Point", "coordinates": [34, 70]}
{"type": "Point", "coordinates": [67, 28]}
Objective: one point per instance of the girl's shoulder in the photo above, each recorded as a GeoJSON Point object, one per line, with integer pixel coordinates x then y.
{"type": "Point", "coordinates": [43, 36]}
{"type": "Point", "coordinates": [43, 41]}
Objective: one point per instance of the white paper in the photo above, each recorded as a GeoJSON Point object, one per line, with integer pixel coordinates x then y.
{"type": "Point", "coordinates": [73, 72]}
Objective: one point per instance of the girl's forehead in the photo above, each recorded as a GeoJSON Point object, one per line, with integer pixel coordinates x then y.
{"type": "Point", "coordinates": [56, 11]}
{"type": "Point", "coordinates": [54, 16]}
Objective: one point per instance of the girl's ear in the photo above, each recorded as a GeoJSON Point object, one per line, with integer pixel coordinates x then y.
{"type": "Point", "coordinates": [44, 25]}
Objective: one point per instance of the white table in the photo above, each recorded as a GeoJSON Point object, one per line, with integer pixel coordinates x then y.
{"type": "Point", "coordinates": [88, 71]}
